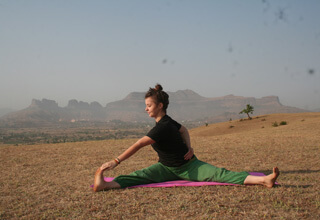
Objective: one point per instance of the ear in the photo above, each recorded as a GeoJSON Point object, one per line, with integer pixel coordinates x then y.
{"type": "Point", "coordinates": [160, 105]}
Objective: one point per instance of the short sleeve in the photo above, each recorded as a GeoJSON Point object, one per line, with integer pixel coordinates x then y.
{"type": "Point", "coordinates": [176, 124]}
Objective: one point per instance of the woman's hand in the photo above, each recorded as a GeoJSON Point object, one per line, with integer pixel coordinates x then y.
{"type": "Point", "coordinates": [109, 165]}
{"type": "Point", "coordinates": [189, 154]}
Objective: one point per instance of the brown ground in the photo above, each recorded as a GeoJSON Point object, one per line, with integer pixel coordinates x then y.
{"type": "Point", "coordinates": [51, 181]}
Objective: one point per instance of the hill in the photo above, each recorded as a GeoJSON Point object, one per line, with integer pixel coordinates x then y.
{"type": "Point", "coordinates": [263, 123]}
{"type": "Point", "coordinates": [185, 105]}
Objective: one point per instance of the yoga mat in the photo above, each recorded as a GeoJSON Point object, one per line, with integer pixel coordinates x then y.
{"type": "Point", "coordinates": [184, 182]}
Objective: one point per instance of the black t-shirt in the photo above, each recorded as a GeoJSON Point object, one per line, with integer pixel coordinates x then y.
{"type": "Point", "coordinates": [168, 142]}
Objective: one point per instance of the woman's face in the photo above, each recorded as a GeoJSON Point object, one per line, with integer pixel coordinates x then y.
{"type": "Point", "coordinates": [152, 108]}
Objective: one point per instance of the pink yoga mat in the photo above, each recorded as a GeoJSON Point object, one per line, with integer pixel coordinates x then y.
{"type": "Point", "coordinates": [183, 182]}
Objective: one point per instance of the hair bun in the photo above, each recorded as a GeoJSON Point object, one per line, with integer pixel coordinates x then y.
{"type": "Point", "coordinates": [158, 87]}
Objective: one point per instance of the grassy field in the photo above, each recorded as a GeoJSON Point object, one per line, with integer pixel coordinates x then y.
{"type": "Point", "coordinates": [52, 181]}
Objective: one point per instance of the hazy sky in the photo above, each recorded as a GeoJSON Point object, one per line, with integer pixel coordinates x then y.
{"type": "Point", "coordinates": [103, 50]}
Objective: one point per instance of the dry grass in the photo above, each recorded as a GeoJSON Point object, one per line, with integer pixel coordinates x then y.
{"type": "Point", "coordinates": [51, 181]}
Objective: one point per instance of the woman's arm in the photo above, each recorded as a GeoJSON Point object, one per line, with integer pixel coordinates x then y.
{"type": "Point", "coordinates": [135, 147]}
{"type": "Point", "coordinates": [129, 152]}
{"type": "Point", "coordinates": [186, 139]}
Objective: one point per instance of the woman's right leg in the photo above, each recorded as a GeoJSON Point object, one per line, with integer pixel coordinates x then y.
{"type": "Point", "coordinates": [154, 174]}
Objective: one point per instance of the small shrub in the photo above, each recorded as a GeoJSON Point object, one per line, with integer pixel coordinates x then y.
{"type": "Point", "coordinates": [231, 126]}
{"type": "Point", "coordinates": [263, 119]}
{"type": "Point", "coordinates": [275, 124]}
{"type": "Point", "coordinates": [283, 123]}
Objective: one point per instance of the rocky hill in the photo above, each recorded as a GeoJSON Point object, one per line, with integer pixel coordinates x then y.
{"type": "Point", "coordinates": [185, 106]}
{"type": "Point", "coordinates": [47, 112]}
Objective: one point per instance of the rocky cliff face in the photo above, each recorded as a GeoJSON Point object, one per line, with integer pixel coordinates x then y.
{"type": "Point", "coordinates": [38, 113]}
{"type": "Point", "coordinates": [185, 105]}
{"type": "Point", "coordinates": [74, 104]}
{"type": "Point", "coordinates": [83, 111]}
{"type": "Point", "coordinates": [47, 112]}
{"type": "Point", "coordinates": [44, 104]}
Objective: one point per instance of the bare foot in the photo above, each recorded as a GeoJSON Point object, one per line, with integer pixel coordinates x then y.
{"type": "Point", "coordinates": [270, 180]}
{"type": "Point", "coordinates": [99, 183]}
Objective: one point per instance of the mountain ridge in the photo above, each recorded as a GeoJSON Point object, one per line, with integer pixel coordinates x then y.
{"type": "Point", "coordinates": [185, 105]}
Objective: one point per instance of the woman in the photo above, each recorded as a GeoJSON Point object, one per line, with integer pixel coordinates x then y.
{"type": "Point", "coordinates": [176, 158]}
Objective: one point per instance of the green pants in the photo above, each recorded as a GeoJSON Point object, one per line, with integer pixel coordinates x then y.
{"type": "Point", "coordinates": [194, 170]}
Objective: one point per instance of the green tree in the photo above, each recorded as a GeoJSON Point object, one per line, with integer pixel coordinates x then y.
{"type": "Point", "coordinates": [248, 110]}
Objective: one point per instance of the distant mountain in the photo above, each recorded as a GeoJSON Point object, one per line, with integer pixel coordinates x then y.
{"type": "Point", "coordinates": [47, 112]}
{"type": "Point", "coordinates": [85, 111]}
{"type": "Point", "coordinates": [185, 106]}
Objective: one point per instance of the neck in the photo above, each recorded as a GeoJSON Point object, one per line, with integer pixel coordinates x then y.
{"type": "Point", "coordinates": [158, 117]}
